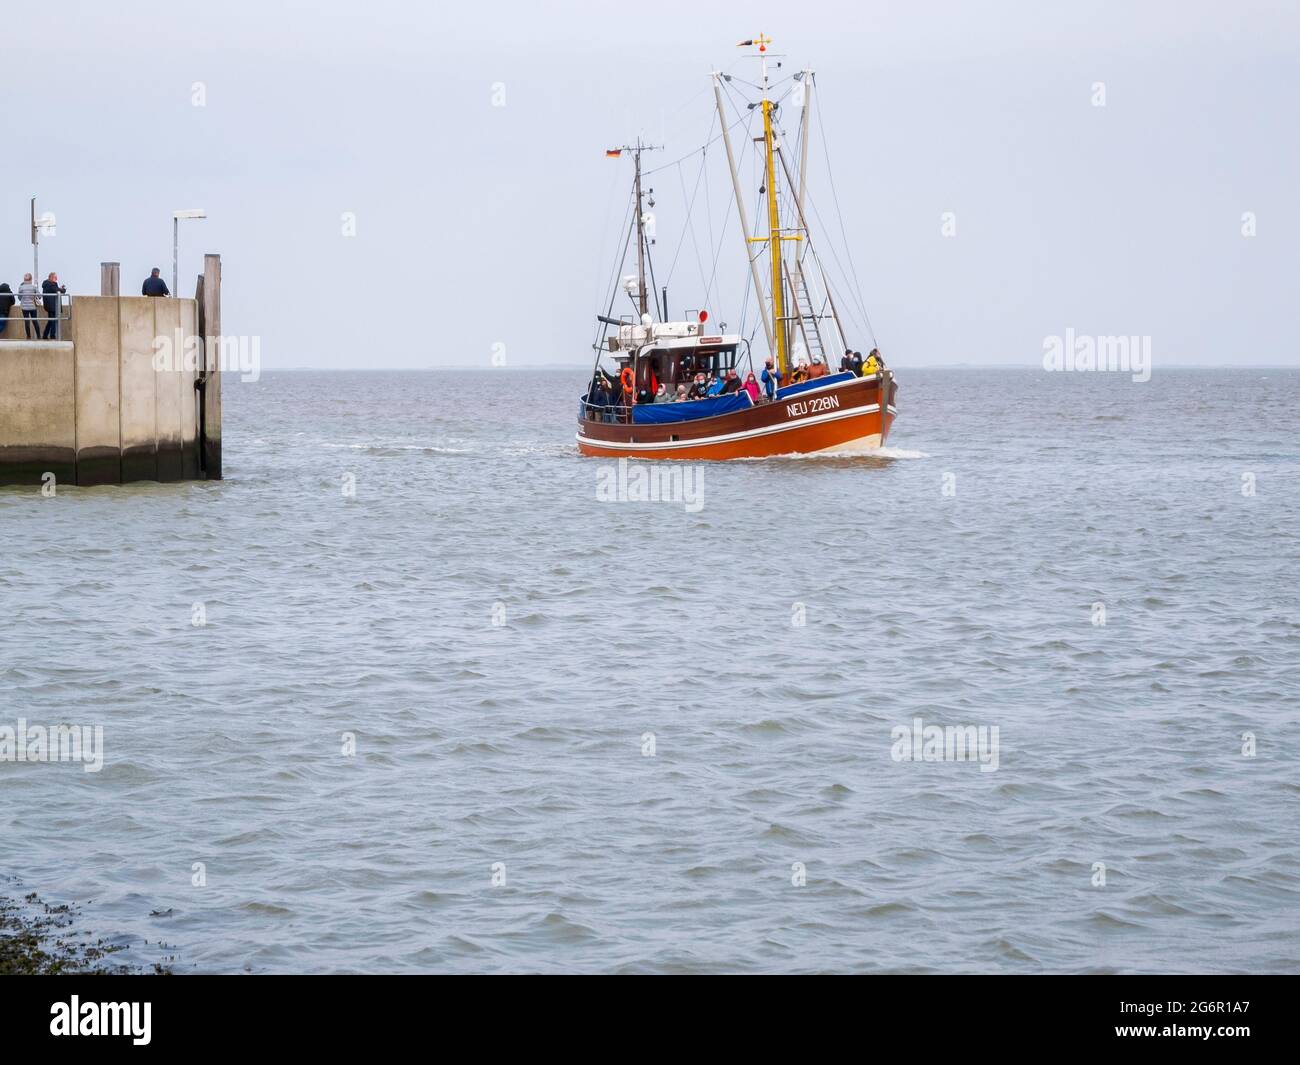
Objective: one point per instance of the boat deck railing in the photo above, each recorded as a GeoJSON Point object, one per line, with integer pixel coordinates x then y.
{"type": "Point", "coordinates": [618, 413]}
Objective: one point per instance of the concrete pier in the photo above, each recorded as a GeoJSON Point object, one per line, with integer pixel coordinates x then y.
{"type": "Point", "coordinates": [100, 406]}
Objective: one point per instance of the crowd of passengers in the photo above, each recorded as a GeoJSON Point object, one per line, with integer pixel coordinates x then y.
{"type": "Point", "coordinates": [606, 391]}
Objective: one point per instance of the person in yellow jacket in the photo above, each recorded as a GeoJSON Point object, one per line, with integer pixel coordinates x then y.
{"type": "Point", "coordinates": [874, 364]}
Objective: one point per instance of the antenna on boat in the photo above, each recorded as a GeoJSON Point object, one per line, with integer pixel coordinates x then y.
{"type": "Point", "coordinates": [641, 246]}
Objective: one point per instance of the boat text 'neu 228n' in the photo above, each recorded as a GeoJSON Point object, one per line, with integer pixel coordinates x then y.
{"type": "Point", "coordinates": [655, 403]}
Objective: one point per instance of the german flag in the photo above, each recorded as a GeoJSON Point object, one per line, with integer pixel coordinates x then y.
{"type": "Point", "coordinates": [613, 153]}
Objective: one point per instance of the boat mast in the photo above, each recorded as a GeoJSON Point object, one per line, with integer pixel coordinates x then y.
{"type": "Point", "coordinates": [812, 248]}
{"type": "Point", "coordinates": [740, 209]}
{"type": "Point", "coordinates": [773, 237]}
{"type": "Point", "coordinates": [805, 79]}
{"type": "Point", "coordinates": [640, 235]}
{"type": "Point", "coordinates": [774, 232]}
{"type": "Point", "coordinates": [641, 246]}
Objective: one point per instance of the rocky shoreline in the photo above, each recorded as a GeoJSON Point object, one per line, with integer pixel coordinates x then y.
{"type": "Point", "coordinates": [39, 939]}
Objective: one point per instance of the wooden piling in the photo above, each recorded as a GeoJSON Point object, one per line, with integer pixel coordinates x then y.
{"type": "Point", "coordinates": [110, 279]}
{"type": "Point", "coordinates": [210, 329]}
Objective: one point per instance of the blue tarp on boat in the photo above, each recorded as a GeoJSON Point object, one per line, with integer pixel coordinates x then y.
{"type": "Point", "coordinates": [816, 382]}
{"type": "Point", "coordinates": [658, 413]}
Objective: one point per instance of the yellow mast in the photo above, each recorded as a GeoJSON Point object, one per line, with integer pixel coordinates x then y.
{"type": "Point", "coordinates": [774, 238]}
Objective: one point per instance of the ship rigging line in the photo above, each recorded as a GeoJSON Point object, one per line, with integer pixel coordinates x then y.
{"type": "Point", "coordinates": [849, 276]}
{"type": "Point", "coordinates": [619, 262]}
{"type": "Point", "coordinates": [690, 208]}
{"type": "Point", "coordinates": [702, 147]}
{"type": "Point", "coordinates": [714, 244]}
{"type": "Point", "coordinates": [609, 312]}
{"type": "Point", "coordinates": [689, 228]}
{"type": "Point", "coordinates": [848, 250]}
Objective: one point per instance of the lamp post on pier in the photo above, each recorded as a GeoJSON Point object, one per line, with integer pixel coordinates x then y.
{"type": "Point", "coordinates": [45, 224]}
{"type": "Point", "coordinates": [197, 212]}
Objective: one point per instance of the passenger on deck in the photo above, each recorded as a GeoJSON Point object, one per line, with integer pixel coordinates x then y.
{"type": "Point", "coordinates": [732, 384]}
{"type": "Point", "coordinates": [6, 305]}
{"type": "Point", "coordinates": [873, 363]}
{"type": "Point", "coordinates": [598, 396]}
{"type": "Point", "coordinates": [699, 388]}
{"type": "Point", "coordinates": [715, 386]}
{"type": "Point", "coordinates": [818, 368]}
{"type": "Point", "coordinates": [682, 395]}
{"type": "Point", "coordinates": [855, 363]}
{"type": "Point", "coordinates": [663, 395]}
{"type": "Point", "coordinates": [846, 361]}
{"type": "Point", "coordinates": [751, 386]}
{"type": "Point", "coordinates": [771, 379]}
{"type": "Point", "coordinates": [799, 374]}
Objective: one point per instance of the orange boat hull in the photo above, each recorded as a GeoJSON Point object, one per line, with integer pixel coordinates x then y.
{"type": "Point", "coordinates": [849, 434]}
{"type": "Point", "coordinates": [843, 418]}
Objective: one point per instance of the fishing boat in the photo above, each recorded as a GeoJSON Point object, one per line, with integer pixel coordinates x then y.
{"type": "Point", "coordinates": [809, 408]}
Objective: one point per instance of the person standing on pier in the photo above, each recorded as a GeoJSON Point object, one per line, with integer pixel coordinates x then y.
{"type": "Point", "coordinates": [154, 285]}
{"type": "Point", "coordinates": [27, 301]}
{"type": "Point", "coordinates": [6, 305]}
{"type": "Point", "coordinates": [52, 290]}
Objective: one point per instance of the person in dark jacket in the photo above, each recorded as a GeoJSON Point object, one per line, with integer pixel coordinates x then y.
{"type": "Point", "coordinates": [51, 290]}
{"type": "Point", "coordinates": [846, 361]}
{"type": "Point", "coordinates": [6, 305]}
{"type": "Point", "coordinates": [855, 364]}
{"type": "Point", "coordinates": [154, 285]}
{"type": "Point", "coordinates": [732, 383]}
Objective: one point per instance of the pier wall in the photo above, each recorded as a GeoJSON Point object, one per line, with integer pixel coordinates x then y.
{"type": "Point", "coordinates": [94, 408]}
{"type": "Point", "coordinates": [38, 433]}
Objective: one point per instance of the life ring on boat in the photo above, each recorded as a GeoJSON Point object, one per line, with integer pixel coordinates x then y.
{"type": "Point", "coordinates": [628, 377]}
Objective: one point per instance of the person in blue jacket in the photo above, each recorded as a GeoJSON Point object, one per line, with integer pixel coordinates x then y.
{"type": "Point", "coordinates": [154, 285]}
{"type": "Point", "coordinates": [771, 379]}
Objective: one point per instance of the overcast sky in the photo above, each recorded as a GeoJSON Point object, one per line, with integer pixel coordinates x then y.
{"type": "Point", "coordinates": [481, 225]}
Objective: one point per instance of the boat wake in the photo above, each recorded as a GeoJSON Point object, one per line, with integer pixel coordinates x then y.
{"type": "Point", "coordinates": [379, 449]}
{"type": "Point", "coordinates": [891, 453]}
{"type": "Point", "coordinates": [831, 456]}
